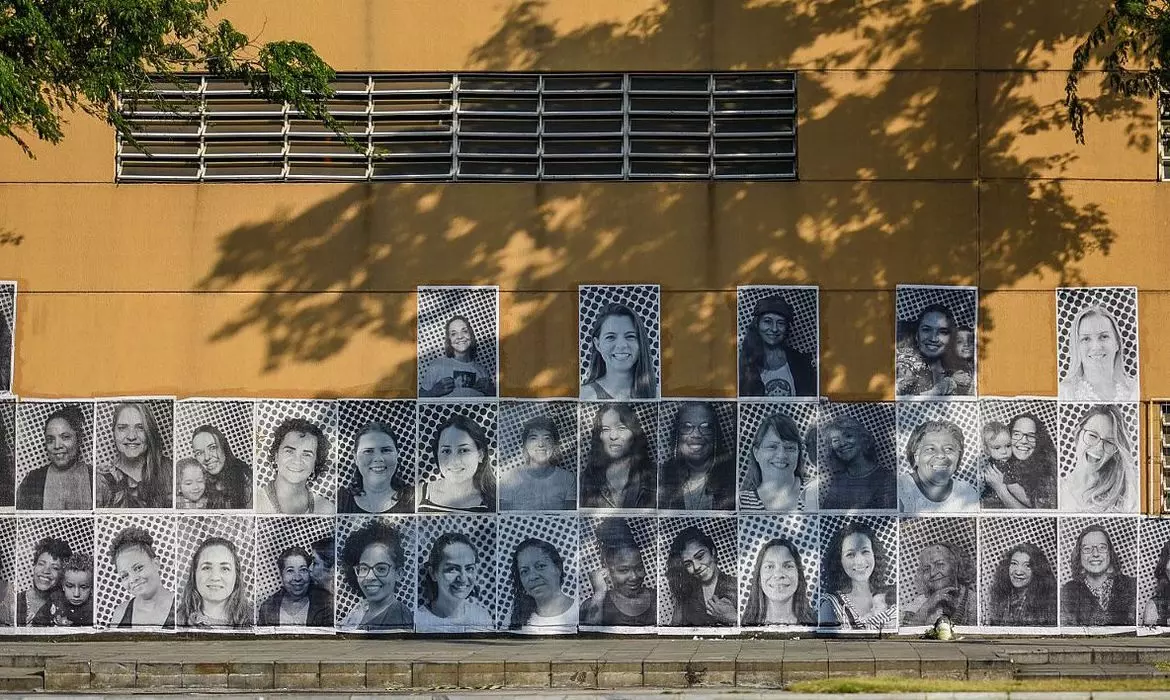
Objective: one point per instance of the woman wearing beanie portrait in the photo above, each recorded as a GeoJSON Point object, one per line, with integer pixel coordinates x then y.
{"type": "Point", "coordinates": [768, 366]}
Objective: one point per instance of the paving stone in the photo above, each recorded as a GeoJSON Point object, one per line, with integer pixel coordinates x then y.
{"type": "Point", "coordinates": [158, 675]}
{"type": "Point", "coordinates": [435, 675]}
{"type": "Point", "coordinates": [480, 674]}
{"type": "Point", "coordinates": [665, 673]}
{"type": "Point", "coordinates": [21, 679]}
{"type": "Point", "coordinates": [850, 665]}
{"type": "Point", "coordinates": [66, 675]}
{"type": "Point", "coordinates": [112, 674]}
{"type": "Point", "coordinates": [1113, 655]}
{"type": "Point", "coordinates": [759, 674]}
{"type": "Point", "coordinates": [527, 674]}
{"type": "Point", "coordinates": [573, 674]}
{"type": "Point", "coordinates": [205, 675]}
{"type": "Point", "coordinates": [296, 675]}
{"type": "Point", "coordinates": [388, 675]}
{"type": "Point", "coordinates": [805, 667]}
{"type": "Point", "coordinates": [619, 674]}
{"type": "Point", "coordinates": [711, 673]}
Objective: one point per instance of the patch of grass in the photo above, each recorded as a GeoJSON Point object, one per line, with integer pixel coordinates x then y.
{"type": "Point", "coordinates": [930, 685]}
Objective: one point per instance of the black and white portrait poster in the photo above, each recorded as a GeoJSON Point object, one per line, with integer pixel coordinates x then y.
{"type": "Point", "coordinates": [938, 457]}
{"type": "Point", "coordinates": [137, 572]}
{"type": "Point", "coordinates": [8, 447]}
{"type": "Point", "coordinates": [938, 572]}
{"type": "Point", "coordinates": [377, 456]}
{"type": "Point", "coordinates": [133, 455]}
{"type": "Point", "coordinates": [7, 335]}
{"type": "Point", "coordinates": [859, 574]}
{"type": "Point", "coordinates": [294, 574]}
{"type": "Point", "coordinates": [779, 342]}
{"type": "Point", "coordinates": [700, 579]}
{"type": "Point", "coordinates": [457, 581]}
{"type": "Point", "coordinates": [1099, 458]}
{"type": "Point", "coordinates": [457, 466]}
{"type": "Point", "coordinates": [779, 572]}
{"type": "Point", "coordinates": [538, 456]}
{"type": "Point", "coordinates": [619, 453]}
{"type": "Point", "coordinates": [54, 455]}
{"type": "Point", "coordinates": [296, 458]}
{"type": "Point", "coordinates": [1098, 574]}
{"type": "Point", "coordinates": [536, 567]}
{"type": "Point", "coordinates": [458, 342]}
{"type": "Point", "coordinates": [619, 573]}
{"type": "Point", "coordinates": [1097, 344]}
{"type": "Point", "coordinates": [8, 564]}
{"type": "Point", "coordinates": [778, 457]}
{"type": "Point", "coordinates": [215, 554]}
{"type": "Point", "coordinates": [857, 458]}
{"type": "Point", "coordinates": [213, 454]}
{"type": "Point", "coordinates": [935, 354]}
{"type": "Point", "coordinates": [1153, 597]}
{"type": "Point", "coordinates": [1017, 574]}
{"type": "Point", "coordinates": [377, 573]}
{"type": "Point", "coordinates": [1020, 459]}
{"type": "Point", "coordinates": [620, 342]}
{"type": "Point", "coordinates": [697, 463]}
{"type": "Point", "coordinates": [53, 579]}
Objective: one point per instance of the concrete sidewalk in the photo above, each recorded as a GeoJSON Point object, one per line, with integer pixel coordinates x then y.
{"type": "Point", "coordinates": [354, 665]}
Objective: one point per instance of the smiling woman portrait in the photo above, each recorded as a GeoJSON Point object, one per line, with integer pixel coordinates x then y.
{"type": "Point", "coordinates": [139, 476]}
{"type": "Point", "coordinates": [298, 602]}
{"type": "Point", "coordinates": [1099, 593]}
{"type": "Point", "coordinates": [1096, 369]}
{"type": "Point", "coordinates": [449, 585]}
{"type": "Point", "coordinates": [620, 366]}
{"type": "Point", "coordinates": [214, 594]}
{"type": "Point", "coordinates": [1104, 478]}
{"type": "Point", "coordinates": [778, 589]}
{"type": "Point", "coordinates": [65, 483]}
{"type": "Point", "coordinates": [467, 480]}
{"type": "Point", "coordinates": [374, 559]}
{"type": "Point", "coordinates": [704, 595]}
{"type": "Point", "coordinates": [139, 570]}
{"type": "Point", "coordinates": [935, 453]}
{"type": "Point", "coordinates": [300, 454]}
{"type": "Point", "coordinates": [458, 371]}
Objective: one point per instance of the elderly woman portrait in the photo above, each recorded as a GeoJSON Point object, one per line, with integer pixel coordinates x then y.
{"type": "Point", "coordinates": [926, 362]}
{"type": "Point", "coordinates": [778, 589]}
{"type": "Point", "coordinates": [66, 482]}
{"type": "Point", "coordinates": [139, 571]}
{"type": "Point", "coordinates": [853, 590]}
{"type": "Point", "coordinates": [946, 587]}
{"type": "Point", "coordinates": [374, 559]}
{"type": "Point", "coordinates": [298, 602]}
{"type": "Point", "coordinates": [452, 596]}
{"type": "Point", "coordinates": [376, 484]}
{"type": "Point", "coordinates": [139, 476]}
{"type": "Point", "coordinates": [48, 570]}
{"type": "Point", "coordinates": [777, 478]}
{"type": "Point", "coordinates": [539, 606]}
{"type": "Point", "coordinates": [1105, 476]}
{"type": "Point", "coordinates": [621, 596]}
{"type": "Point", "coordinates": [214, 596]}
{"type": "Point", "coordinates": [768, 365]}
{"type": "Point", "coordinates": [458, 372]}
{"type": "Point", "coordinates": [1099, 593]}
{"type": "Point", "coordinates": [620, 366]}
{"type": "Point", "coordinates": [619, 472]}
{"type": "Point", "coordinates": [934, 453]}
{"type": "Point", "coordinates": [1096, 369]}
{"type": "Point", "coordinates": [539, 482]}
{"type": "Point", "coordinates": [1027, 478]}
{"type": "Point", "coordinates": [227, 478]}
{"type": "Point", "coordinates": [467, 480]}
{"type": "Point", "coordinates": [300, 454]}
{"type": "Point", "coordinates": [699, 473]}
{"type": "Point", "coordinates": [852, 477]}
{"type": "Point", "coordinates": [704, 595]}
{"type": "Point", "coordinates": [1023, 591]}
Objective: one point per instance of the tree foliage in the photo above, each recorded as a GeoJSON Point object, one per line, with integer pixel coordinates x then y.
{"type": "Point", "coordinates": [59, 56]}
{"type": "Point", "coordinates": [1133, 41]}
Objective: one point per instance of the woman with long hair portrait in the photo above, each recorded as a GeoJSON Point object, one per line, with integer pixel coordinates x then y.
{"type": "Point", "coordinates": [853, 477]}
{"type": "Point", "coordinates": [449, 586]}
{"type": "Point", "coordinates": [619, 472]}
{"type": "Point", "coordinates": [700, 472]}
{"type": "Point", "coordinates": [1096, 366]}
{"type": "Point", "coordinates": [620, 367]}
{"type": "Point", "coordinates": [925, 361]}
{"type": "Point", "coordinates": [1099, 592]}
{"type": "Point", "coordinates": [458, 372]}
{"type": "Point", "coordinates": [1028, 477]}
{"type": "Point", "coordinates": [768, 364]}
{"type": "Point", "coordinates": [376, 484]}
{"type": "Point", "coordinates": [139, 476]}
{"type": "Point", "coordinates": [1104, 478]}
{"type": "Point", "coordinates": [854, 592]}
{"type": "Point", "coordinates": [1023, 591]}
{"type": "Point", "coordinates": [538, 603]}
{"type": "Point", "coordinates": [778, 589]}
{"type": "Point", "coordinates": [1156, 611]}
{"type": "Point", "coordinates": [228, 478]}
{"type": "Point", "coordinates": [214, 596]}
{"type": "Point", "coordinates": [467, 481]}
{"type": "Point", "coordinates": [704, 595]}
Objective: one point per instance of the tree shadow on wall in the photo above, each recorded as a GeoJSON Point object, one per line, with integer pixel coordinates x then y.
{"type": "Point", "coordinates": [892, 162]}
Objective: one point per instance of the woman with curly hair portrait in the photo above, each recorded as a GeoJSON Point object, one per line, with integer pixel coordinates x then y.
{"type": "Point", "coordinates": [704, 595]}
{"type": "Point", "coordinates": [374, 562]}
{"type": "Point", "coordinates": [1023, 591]}
{"type": "Point", "coordinates": [300, 454]}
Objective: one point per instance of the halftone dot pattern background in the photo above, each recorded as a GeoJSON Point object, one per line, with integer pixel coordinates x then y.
{"type": "Point", "coordinates": [804, 415]}
{"type": "Point", "coordinates": [233, 418]}
{"type": "Point", "coordinates": [431, 416]}
{"type": "Point", "coordinates": [482, 531]}
{"type": "Point", "coordinates": [8, 318]}
{"type": "Point", "coordinates": [1121, 302]}
{"type": "Point", "coordinates": [192, 530]}
{"type": "Point", "coordinates": [77, 531]}
{"type": "Point", "coordinates": [8, 559]}
{"type": "Point", "coordinates": [1123, 532]}
{"type": "Point", "coordinates": [720, 528]}
{"type": "Point", "coordinates": [645, 533]}
{"type": "Point", "coordinates": [108, 592]}
{"type": "Point", "coordinates": [917, 533]}
{"type": "Point", "coordinates": [274, 534]}
{"type": "Point", "coordinates": [643, 299]}
{"type": "Point", "coordinates": [997, 536]}
{"type": "Point", "coordinates": [1070, 416]}
{"type": "Point", "coordinates": [513, 415]}
{"type": "Point", "coordinates": [163, 411]}
{"type": "Point", "coordinates": [345, 597]}
{"type": "Point", "coordinates": [647, 413]}
{"type": "Point", "coordinates": [30, 433]}
{"type": "Point", "coordinates": [269, 416]}
{"type": "Point", "coordinates": [1154, 534]}
{"type": "Point", "coordinates": [558, 530]}
{"type": "Point", "coordinates": [912, 414]}
{"type": "Point", "coordinates": [879, 418]}
{"type": "Point", "coordinates": [479, 305]}
{"type": "Point", "coordinates": [962, 301]}
{"type": "Point", "coordinates": [725, 441]}
{"type": "Point", "coordinates": [1004, 410]}
{"type": "Point", "coordinates": [353, 415]}
{"type": "Point", "coordinates": [802, 530]}
{"type": "Point", "coordinates": [803, 334]}
{"type": "Point", "coordinates": [885, 528]}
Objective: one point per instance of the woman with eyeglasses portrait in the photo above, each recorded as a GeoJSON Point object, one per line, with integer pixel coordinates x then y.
{"type": "Point", "coordinates": [1099, 593]}
{"type": "Point", "coordinates": [1028, 476]}
{"type": "Point", "coordinates": [374, 558]}
{"type": "Point", "coordinates": [1104, 479]}
{"type": "Point", "coordinates": [700, 474]}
